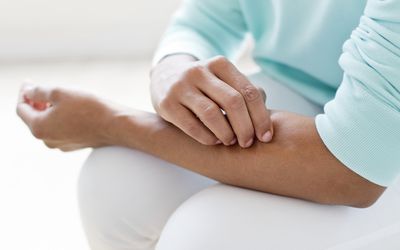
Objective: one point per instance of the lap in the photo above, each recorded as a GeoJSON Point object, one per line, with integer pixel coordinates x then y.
{"type": "Point", "coordinates": [225, 217]}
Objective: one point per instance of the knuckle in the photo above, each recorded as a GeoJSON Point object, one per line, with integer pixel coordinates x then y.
{"type": "Point", "coordinates": [166, 105]}
{"type": "Point", "coordinates": [173, 92]}
{"type": "Point", "coordinates": [219, 62]}
{"type": "Point", "coordinates": [176, 87]}
{"type": "Point", "coordinates": [250, 93]}
{"type": "Point", "coordinates": [194, 72]}
{"type": "Point", "coordinates": [56, 93]}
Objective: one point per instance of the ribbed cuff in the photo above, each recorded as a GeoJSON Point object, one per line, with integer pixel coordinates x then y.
{"type": "Point", "coordinates": [363, 133]}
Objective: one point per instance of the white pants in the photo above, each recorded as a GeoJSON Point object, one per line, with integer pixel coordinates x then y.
{"type": "Point", "coordinates": [132, 200]}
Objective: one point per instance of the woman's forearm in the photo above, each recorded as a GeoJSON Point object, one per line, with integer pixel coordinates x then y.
{"type": "Point", "coordinates": [294, 164]}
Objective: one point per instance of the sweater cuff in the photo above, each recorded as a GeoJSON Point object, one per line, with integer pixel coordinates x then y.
{"type": "Point", "coordinates": [362, 133]}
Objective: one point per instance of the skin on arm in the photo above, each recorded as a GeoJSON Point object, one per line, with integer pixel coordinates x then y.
{"type": "Point", "coordinates": [296, 163]}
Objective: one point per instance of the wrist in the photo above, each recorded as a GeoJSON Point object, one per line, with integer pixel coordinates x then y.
{"type": "Point", "coordinates": [107, 123]}
{"type": "Point", "coordinates": [112, 131]}
{"type": "Point", "coordinates": [130, 128]}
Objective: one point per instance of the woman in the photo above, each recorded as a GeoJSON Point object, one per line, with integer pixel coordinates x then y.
{"type": "Point", "coordinates": [212, 120]}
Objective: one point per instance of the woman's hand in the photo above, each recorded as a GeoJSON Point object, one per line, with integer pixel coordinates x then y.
{"type": "Point", "coordinates": [64, 119]}
{"type": "Point", "coordinates": [191, 94]}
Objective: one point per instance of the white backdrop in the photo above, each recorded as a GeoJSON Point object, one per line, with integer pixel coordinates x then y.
{"type": "Point", "coordinates": [47, 29]}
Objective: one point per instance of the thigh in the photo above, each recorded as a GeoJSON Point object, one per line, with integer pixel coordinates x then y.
{"type": "Point", "coordinates": [225, 217]}
{"type": "Point", "coordinates": [126, 197]}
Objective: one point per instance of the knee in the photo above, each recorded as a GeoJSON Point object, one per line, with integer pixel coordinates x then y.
{"type": "Point", "coordinates": [212, 219]}
{"type": "Point", "coordinates": [126, 196]}
{"type": "Point", "coordinates": [98, 182]}
{"type": "Point", "coordinates": [109, 203]}
{"type": "Point", "coordinates": [225, 217]}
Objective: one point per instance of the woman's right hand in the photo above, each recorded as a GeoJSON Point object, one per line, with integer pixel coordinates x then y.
{"type": "Point", "coordinates": [192, 94]}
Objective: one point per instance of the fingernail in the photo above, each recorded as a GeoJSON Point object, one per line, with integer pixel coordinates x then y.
{"type": "Point", "coordinates": [249, 143]}
{"type": "Point", "coordinates": [267, 137]}
{"type": "Point", "coordinates": [218, 142]}
{"type": "Point", "coordinates": [233, 141]}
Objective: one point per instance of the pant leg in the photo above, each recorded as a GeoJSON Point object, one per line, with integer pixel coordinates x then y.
{"type": "Point", "coordinates": [226, 217]}
{"type": "Point", "coordinates": [126, 197]}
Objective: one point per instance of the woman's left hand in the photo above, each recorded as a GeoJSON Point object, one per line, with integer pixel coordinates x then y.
{"type": "Point", "coordinates": [64, 119]}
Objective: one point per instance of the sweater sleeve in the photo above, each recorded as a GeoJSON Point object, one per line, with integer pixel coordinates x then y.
{"type": "Point", "coordinates": [361, 125]}
{"type": "Point", "coordinates": [204, 28]}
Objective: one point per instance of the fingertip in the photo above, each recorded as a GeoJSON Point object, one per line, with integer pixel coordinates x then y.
{"type": "Point", "coordinates": [267, 136]}
{"type": "Point", "coordinates": [248, 143]}
{"type": "Point", "coordinates": [24, 111]}
{"type": "Point", "coordinates": [266, 133]}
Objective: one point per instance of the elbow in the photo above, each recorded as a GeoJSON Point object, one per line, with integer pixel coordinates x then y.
{"type": "Point", "coordinates": [359, 196]}
{"type": "Point", "coordinates": [363, 193]}
{"type": "Point", "coordinates": [369, 198]}
{"type": "Point", "coordinates": [364, 202]}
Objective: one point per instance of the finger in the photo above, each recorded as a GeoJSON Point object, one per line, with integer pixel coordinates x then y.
{"type": "Point", "coordinates": [258, 112]}
{"type": "Point", "coordinates": [27, 113]}
{"type": "Point", "coordinates": [263, 94]}
{"type": "Point", "coordinates": [36, 105]}
{"type": "Point", "coordinates": [41, 105]}
{"type": "Point", "coordinates": [234, 106]}
{"type": "Point", "coordinates": [210, 114]}
{"type": "Point", "coordinates": [189, 124]}
{"type": "Point", "coordinates": [41, 96]}
{"type": "Point", "coordinates": [22, 98]}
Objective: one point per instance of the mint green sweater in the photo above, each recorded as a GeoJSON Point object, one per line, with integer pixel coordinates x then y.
{"type": "Point", "coordinates": [338, 53]}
